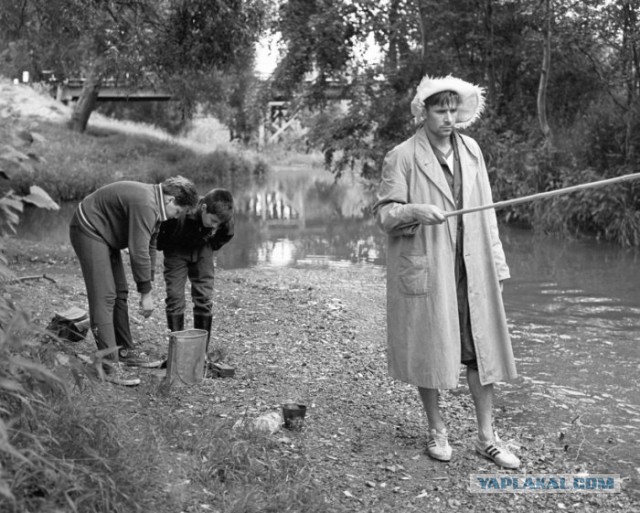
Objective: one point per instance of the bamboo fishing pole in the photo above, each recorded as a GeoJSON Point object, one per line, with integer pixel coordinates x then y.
{"type": "Point", "coordinates": [543, 195]}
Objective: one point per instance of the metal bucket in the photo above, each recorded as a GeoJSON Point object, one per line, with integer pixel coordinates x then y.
{"type": "Point", "coordinates": [186, 358]}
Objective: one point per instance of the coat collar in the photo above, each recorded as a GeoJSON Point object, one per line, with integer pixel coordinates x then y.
{"type": "Point", "coordinates": [428, 164]}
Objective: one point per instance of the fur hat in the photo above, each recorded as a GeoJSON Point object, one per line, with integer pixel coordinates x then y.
{"type": "Point", "coordinates": [471, 98]}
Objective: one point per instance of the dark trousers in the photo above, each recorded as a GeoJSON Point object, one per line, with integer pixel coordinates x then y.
{"type": "Point", "coordinates": [107, 291]}
{"type": "Point", "coordinates": [467, 346]}
{"type": "Point", "coordinates": [195, 265]}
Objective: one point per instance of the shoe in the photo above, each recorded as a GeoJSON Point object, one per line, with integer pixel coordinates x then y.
{"type": "Point", "coordinates": [438, 445]}
{"type": "Point", "coordinates": [497, 451]}
{"type": "Point", "coordinates": [134, 358]}
{"type": "Point", "coordinates": [116, 374]}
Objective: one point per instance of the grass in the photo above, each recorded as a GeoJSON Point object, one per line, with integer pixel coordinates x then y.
{"type": "Point", "coordinates": [72, 164]}
{"type": "Point", "coordinates": [69, 165]}
{"type": "Point", "coordinates": [93, 448]}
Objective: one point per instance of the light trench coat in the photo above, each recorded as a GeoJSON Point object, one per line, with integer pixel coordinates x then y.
{"type": "Point", "coordinates": [423, 333]}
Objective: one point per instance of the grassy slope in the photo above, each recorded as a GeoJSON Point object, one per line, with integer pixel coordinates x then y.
{"type": "Point", "coordinates": [74, 164]}
{"type": "Point", "coordinates": [315, 336]}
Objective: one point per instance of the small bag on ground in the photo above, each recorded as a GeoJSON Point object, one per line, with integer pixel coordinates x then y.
{"type": "Point", "coordinates": [71, 325]}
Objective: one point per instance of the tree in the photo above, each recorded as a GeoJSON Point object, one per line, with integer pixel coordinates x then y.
{"type": "Point", "coordinates": [206, 50]}
{"type": "Point", "coordinates": [496, 43]}
{"type": "Point", "coordinates": [183, 45]}
{"type": "Point", "coordinates": [544, 77]}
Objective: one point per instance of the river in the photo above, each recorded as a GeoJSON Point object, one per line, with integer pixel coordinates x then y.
{"type": "Point", "coordinates": [573, 309]}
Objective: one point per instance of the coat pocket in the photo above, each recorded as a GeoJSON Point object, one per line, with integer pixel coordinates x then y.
{"type": "Point", "coordinates": [412, 275]}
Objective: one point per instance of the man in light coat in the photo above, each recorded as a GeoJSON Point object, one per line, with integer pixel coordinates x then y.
{"type": "Point", "coordinates": [445, 273]}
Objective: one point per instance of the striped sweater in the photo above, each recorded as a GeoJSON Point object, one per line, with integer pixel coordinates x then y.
{"type": "Point", "coordinates": [126, 214]}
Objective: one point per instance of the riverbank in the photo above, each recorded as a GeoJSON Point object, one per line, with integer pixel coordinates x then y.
{"type": "Point", "coordinates": [307, 335]}
{"type": "Point", "coordinates": [314, 336]}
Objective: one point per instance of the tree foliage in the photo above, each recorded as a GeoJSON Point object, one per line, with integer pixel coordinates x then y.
{"type": "Point", "coordinates": [591, 68]}
{"type": "Point", "coordinates": [193, 48]}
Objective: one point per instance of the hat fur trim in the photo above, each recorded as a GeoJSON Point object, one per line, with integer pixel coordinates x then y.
{"type": "Point", "coordinates": [471, 98]}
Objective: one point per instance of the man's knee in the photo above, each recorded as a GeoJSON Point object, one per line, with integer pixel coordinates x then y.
{"type": "Point", "coordinates": [471, 364]}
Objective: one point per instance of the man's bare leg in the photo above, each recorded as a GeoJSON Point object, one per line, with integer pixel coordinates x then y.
{"type": "Point", "coordinates": [429, 397]}
{"type": "Point", "coordinates": [483, 400]}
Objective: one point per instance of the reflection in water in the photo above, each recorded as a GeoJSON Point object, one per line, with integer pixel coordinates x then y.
{"type": "Point", "coordinates": [304, 218]}
{"type": "Point", "coordinates": [340, 242]}
{"type": "Point", "coordinates": [270, 205]}
{"type": "Point", "coordinates": [38, 224]}
{"type": "Point", "coordinates": [279, 253]}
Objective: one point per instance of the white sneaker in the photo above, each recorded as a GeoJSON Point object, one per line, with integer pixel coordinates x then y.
{"type": "Point", "coordinates": [498, 452]}
{"type": "Point", "coordinates": [438, 445]}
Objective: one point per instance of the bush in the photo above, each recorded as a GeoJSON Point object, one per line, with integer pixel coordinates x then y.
{"type": "Point", "coordinates": [220, 168]}
{"type": "Point", "coordinates": [610, 213]}
{"type": "Point", "coordinates": [73, 185]}
{"type": "Point", "coordinates": [597, 138]}
{"type": "Point", "coordinates": [74, 165]}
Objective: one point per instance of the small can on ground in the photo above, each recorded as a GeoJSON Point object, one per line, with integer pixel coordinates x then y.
{"type": "Point", "coordinates": [293, 415]}
{"type": "Point", "coordinates": [222, 370]}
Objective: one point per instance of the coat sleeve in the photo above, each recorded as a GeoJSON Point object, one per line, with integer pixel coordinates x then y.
{"type": "Point", "coordinates": [153, 253]}
{"type": "Point", "coordinates": [166, 232]}
{"type": "Point", "coordinates": [223, 235]}
{"type": "Point", "coordinates": [499, 259]}
{"type": "Point", "coordinates": [142, 225]}
{"type": "Point", "coordinates": [392, 209]}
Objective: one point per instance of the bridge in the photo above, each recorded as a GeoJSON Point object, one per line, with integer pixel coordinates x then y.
{"type": "Point", "coordinates": [110, 91]}
{"type": "Point", "coordinates": [279, 114]}
{"type": "Point", "coordinates": [282, 117]}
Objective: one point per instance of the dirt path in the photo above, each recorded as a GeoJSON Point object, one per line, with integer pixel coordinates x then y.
{"type": "Point", "coordinates": [316, 336]}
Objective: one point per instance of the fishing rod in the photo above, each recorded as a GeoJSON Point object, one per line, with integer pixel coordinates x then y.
{"type": "Point", "coordinates": [543, 195]}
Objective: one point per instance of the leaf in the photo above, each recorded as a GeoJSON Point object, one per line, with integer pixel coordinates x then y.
{"type": "Point", "coordinates": [5, 490]}
{"type": "Point", "coordinates": [10, 207]}
{"type": "Point", "coordinates": [10, 385]}
{"type": "Point", "coordinates": [13, 155]}
{"type": "Point", "coordinates": [38, 196]}
{"type": "Point", "coordinates": [22, 138]}
{"type": "Point", "coordinates": [38, 137]}
{"type": "Point", "coordinates": [10, 167]}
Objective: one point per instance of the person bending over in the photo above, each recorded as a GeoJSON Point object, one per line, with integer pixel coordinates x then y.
{"type": "Point", "coordinates": [188, 243]}
{"type": "Point", "coordinates": [123, 215]}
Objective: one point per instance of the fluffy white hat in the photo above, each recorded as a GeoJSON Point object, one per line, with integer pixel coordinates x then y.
{"type": "Point", "coordinates": [471, 98]}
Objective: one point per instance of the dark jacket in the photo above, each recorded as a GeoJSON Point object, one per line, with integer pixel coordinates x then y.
{"type": "Point", "coordinates": [187, 232]}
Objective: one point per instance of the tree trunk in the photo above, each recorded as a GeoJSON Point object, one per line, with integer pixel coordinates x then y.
{"type": "Point", "coordinates": [490, 69]}
{"type": "Point", "coordinates": [423, 13]}
{"type": "Point", "coordinates": [544, 79]}
{"type": "Point", "coordinates": [87, 102]}
{"type": "Point", "coordinates": [630, 70]}
{"type": "Point", "coordinates": [398, 46]}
